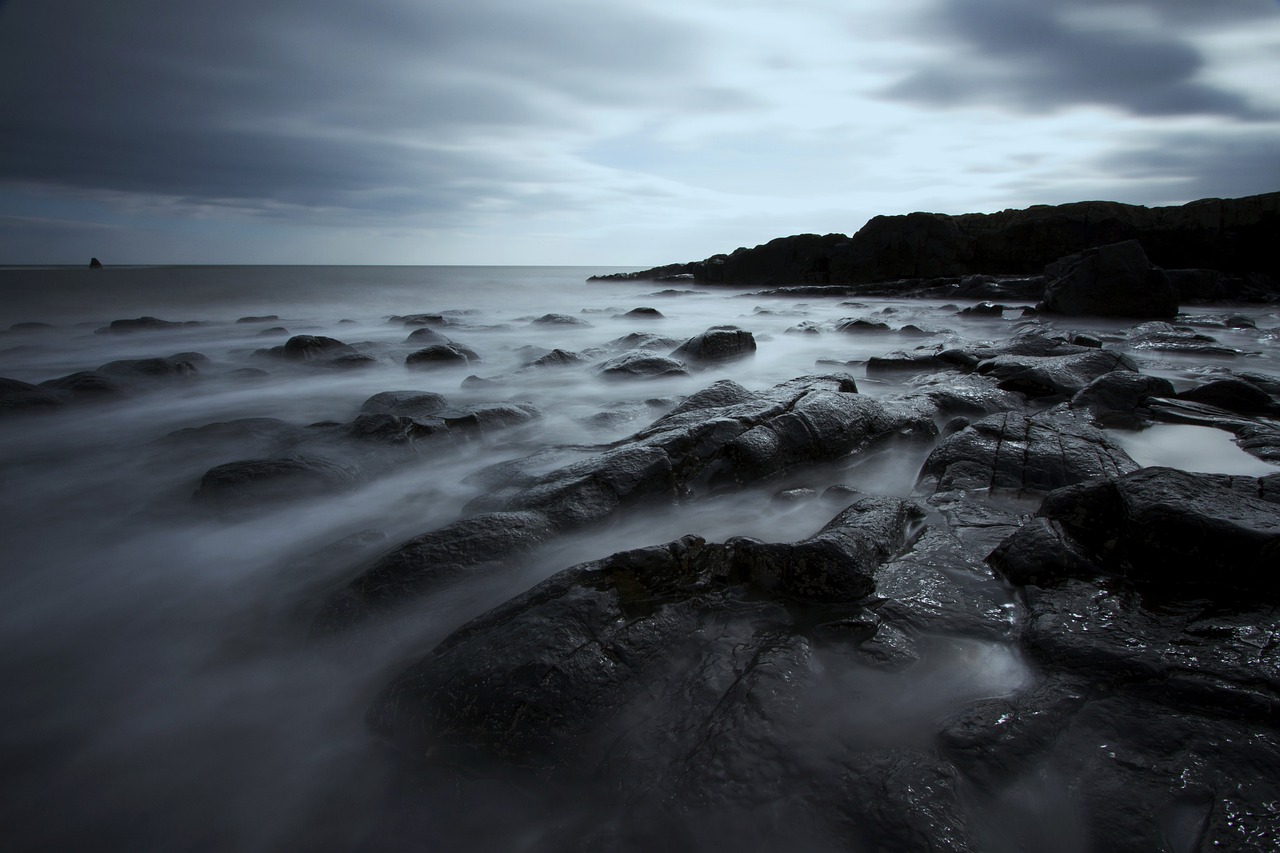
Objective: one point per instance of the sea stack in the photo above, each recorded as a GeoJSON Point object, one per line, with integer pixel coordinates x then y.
{"type": "Point", "coordinates": [95, 264]}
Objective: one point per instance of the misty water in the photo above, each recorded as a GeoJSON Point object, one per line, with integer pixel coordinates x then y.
{"type": "Point", "coordinates": [159, 688]}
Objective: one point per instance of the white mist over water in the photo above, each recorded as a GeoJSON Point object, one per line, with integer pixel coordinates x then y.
{"type": "Point", "coordinates": [160, 692]}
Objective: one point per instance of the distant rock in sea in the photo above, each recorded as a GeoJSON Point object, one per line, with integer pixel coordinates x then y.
{"type": "Point", "coordinates": [95, 264]}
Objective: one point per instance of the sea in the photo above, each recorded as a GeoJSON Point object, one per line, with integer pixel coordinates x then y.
{"type": "Point", "coordinates": [159, 687]}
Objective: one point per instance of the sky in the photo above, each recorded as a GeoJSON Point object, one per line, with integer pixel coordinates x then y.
{"type": "Point", "coordinates": [602, 132]}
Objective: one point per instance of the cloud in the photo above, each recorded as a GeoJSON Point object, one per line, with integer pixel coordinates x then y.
{"type": "Point", "coordinates": [1187, 165]}
{"type": "Point", "coordinates": [389, 108]}
{"type": "Point", "coordinates": [1047, 55]}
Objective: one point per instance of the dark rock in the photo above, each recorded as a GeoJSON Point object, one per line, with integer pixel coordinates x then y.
{"type": "Point", "coordinates": [441, 355]}
{"type": "Point", "coordinates": [641, 365]}
{"type": "Point", "coordinates": [1234, 395]}
{"type": "Point", "coordinates": [558, 320]}
{"type": "Point", "coordinates": [1164, 337]}
{"type": "Point", "coordinates": [1115, 280]}
{"type": "Point", "coordinates": [411, 404]}
{"type": "Point", "coordinates": [19, 397]}
{"type": "Point", "coordinates": [273, 332]}
{"type": "Point", "coordinates": [30, 327]}
{"type": "Point", "coordinates": [265, 318]}
{"type": "Point", "coordinates": [921, 249]}
{"type": "Point", "coordinates": [351, 361]}
{"type": "Point", "coordinates": [1118, 398]}
{"type": "Point", "coordinates": [856, 326]}
{"type": "Point", "coordinates": [420, 320]}
{"type": "Point", "coordinates": [152, 368]}
{"type": "Point", "coordinates": [645, 314]}
{"type": "Point", "coordinates": [1023, 454]}
{"type": "Point", "coordinates": [95, 264]}
{"type": "Point", "coordinates": [314, 347]}
{"type": "Point", "coordinates": [243, 484]}
{"type": "Point", "coordinates": [557, 358]}
{"type": "Point", "coordinates": [927, 361]}
{"type": "Point", "coordinates": [87, 383]}
{"type": "Point", "coordinates": [144, 324]}
{"type": "Point", "coordinates": [983, 309]}
{"type": "Point", "coordinates": [1210, 534]}
{"type": "Point", "coordinates": [639, 341]}
{"type": "Point", "coordinates": [716, 345]}
{"type": "Point", "coordinates": [425, 335]}
{"type": "Point", "coordinates": [1054, 377]}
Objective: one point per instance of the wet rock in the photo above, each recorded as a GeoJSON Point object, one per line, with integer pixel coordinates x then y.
{"type": "Point", "coordinates": [641, 365]}
{"type": "Point", "coordinates": [388, 429]}
{"type": "Point", "coordinates": [559, 320]}
{"type": "Point", "coordinates": [1118, 398]}
{"type": "Point", "coordinates": [273, 332]}
{"type": "Point", "coordinates": [645, 314]}
{"type": "Point", "coordinates": [411, 404]}
{"type": "Point", "coordinates": [1023, 454]}
{"type": "Point", "coordinates": [88, 383]}
{"type": "Point", "coordinates": [19, 397]}
{"type": "Point", "coordinates": [145, 324]}
{"type": "Point", "coordinates": [1054, 377]}
{"type": "Point", "coordinates": [476, 544]}
{"type": "Point", "coordinates": [351, 361]}
{"type": "Point", "coordinates": [808, 327]}
{"type": "Point", "coordinates": [313, 348]}
{"type": "Point", "coordinates": [1234, 395]}
{"type": "Point", "coordinates": [425, 335]}
{"type": "Point", "coordinates": [856, 326]}
{"type": "Point", "coordinates": [927, 361]}
{"type": "Point", "coordinates": [558, 358]}
{"type": "Point", "coordinates": [1174, 531]}
{"type": "Point", "coordinates": [639, 341]}
{"type": "Point", "coordinates": [265, 318]}
{"type": "Point", "coordinates": [716, 345]}
{"type": "Point", "coordinates": [441, 355]}
{"type": "Point", "coordinates": [420, 320]}
{"type": "Point", "coordinates": [251, 482]}
{"type": "Point", "coordinates": [983, 309]}
{"type": "Point", "coordinates": [1165, 337]}
{"type": "Point", "coordinates": [1116, 280]}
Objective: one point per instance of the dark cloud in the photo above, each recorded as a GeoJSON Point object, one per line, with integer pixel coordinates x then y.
{"type": "Point", "coordinates": [394, 106]}
{"type": "Point", "coordinates": [1184, 166]}
{"type": "Point", "coordinates": [1036, 57]}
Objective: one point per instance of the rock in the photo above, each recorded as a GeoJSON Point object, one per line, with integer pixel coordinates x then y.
{"type": "Point", "coordinates": [425, 335]}
{"type": "Point", "coordinates": [1118, 398]}
{"type": "Point", "coordinates": [411, 404]}
{"type": "Point", "coordinates": [20, 397]}
{"type": "Point", "coordinates": [420, 320]}
{"type": "Point", "coordinates": [313, 348]}
{"type": "Point", "coordinates": [388, 429]}
{"type": "Point", "coordinates": [273, 332]}
{"type": "Point", "coordinates": [559, 320]}
{"type": "Point", "coordinates": [644, 314]}
{"type": "Point", "coordinates": [641, 365]}
{"type": "Point", "coordinates": [716, 345]}
{"type": "Point", "coordinates": [441, 355]}
{"type": "Point", "coordinates": [1179, 533]}
{"type": "Point", "coordinates": [1163, 337]}
{"type": "Point", "coordinates": [250, 482]}
{"type": "Point", "coordinates": [87, 383]}
{"type": "Point", "coordinates": [920, 249]}
{"type": "Point", "coordinates": [95, 264]}
{"type": "Point", "coordinates": [265, 318]}
{"type": "Point", "coordinates": [1053, 377]}
{"type": "Point", "coordinates": [856, 326]}
{"type": "Point", "coordinates": [1234, 395]}
{"type": "Point", "coordinates": [153, 368]}
{"type": "Point", "coordinates": [1115, 280]}
{"type": "Point", "coordinates": [557, 358]}
{"type": "Point", "coordinates": [983, 309]}
{"type": "Point", "coordinates": [144, 324]}
{"type": "Point", "coordinates": [1023, 454]}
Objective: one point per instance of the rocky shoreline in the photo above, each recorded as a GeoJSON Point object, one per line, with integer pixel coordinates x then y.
{"type": "Point", "coordinates": [1043, 644]}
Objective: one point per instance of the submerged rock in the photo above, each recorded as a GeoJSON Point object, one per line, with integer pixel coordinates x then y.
{"type": "Point", "coordinates": [244, 484]}
{"type": "Point", "coordinates": [716, 345]}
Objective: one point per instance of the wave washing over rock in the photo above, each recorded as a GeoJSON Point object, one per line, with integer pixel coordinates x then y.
{"type": "Point", "coordinates": [439, 559]}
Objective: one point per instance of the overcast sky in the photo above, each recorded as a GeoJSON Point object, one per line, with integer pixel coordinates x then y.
{"type": "Point", "coordinates": [602, 132]}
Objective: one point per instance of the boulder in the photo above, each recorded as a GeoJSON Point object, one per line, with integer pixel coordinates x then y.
{"type": "Point", "coordinates": [559, 320]}
{"type": "Point", "coordinates": [641, 365]}
{"type": "Point", "coordinates": [251, 482]}
{"type": "Point", "coordinates": [18, 397]}
{"type": "Point", "coordinates": [1234, 395]}
{"type": "Point", "coordinates": [412, 404]}
{"type": "Point", "coordinates": [1014, 452]}
{"type": "Point", "coordinates": [144, 324]}
{"type": "Point", "coordinates": [1053, 378]}
{"type": "Point", "coordinates": [314, 347]}
{"type": "Point", "coordinates": [715, 346]}
{"type": "Point", "coordinates": [557, 358]}
{"type": "Point", "coordinates": [1116, 280]}
{"type": "Point", "coordinates": [1118, 398]}
{"type": "Point", "coordinates": [441, 355]}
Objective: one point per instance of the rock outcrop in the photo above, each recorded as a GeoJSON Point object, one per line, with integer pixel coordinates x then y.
{"type": "Point", "coordinates": [1225, 235]}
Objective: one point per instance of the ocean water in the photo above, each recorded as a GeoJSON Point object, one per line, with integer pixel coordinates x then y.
{"type": "Point", "coordinates": [160, 692]}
